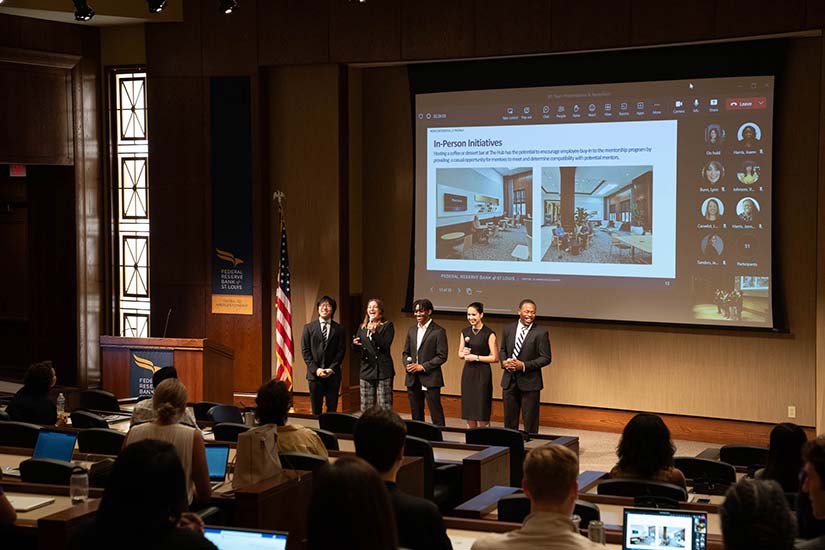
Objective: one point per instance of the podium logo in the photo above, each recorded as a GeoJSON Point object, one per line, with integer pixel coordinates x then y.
{"type": "Point", "coordinates": [145, 364]}
{"type": "Point", "coordinates": [229, 257]}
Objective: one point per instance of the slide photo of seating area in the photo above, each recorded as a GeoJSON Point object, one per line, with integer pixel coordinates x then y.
{"type": "Point", "coordinates": [597, 214]}
{"type": "Point", "coordinates": [652, 536]}
{"type": "Point", "coordinates": [732, 298]}
{"type": "Point", "coordinates": [484, 213]}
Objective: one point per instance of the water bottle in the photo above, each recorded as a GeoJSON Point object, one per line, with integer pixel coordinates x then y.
{"type": "Point", "coordinates": [79, 486]}
{"type": "Point", "coordinates": [61, 404]}
{"type": "Point", "coordinates": [577, 520]}
{"type": "Point", "coordinates": [595, 531]}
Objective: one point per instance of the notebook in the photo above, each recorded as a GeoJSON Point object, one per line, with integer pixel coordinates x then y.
{"type": "Point", "coordinates": [648, 528]}
{"type": "Point", "coordinates": [22, 503]}
{"type": "Point", "coordinates": [217, 457]}
{"type": "Point", "coordinates": [245, 539]}
{"type": "Point", "coordinates": [55, 445]}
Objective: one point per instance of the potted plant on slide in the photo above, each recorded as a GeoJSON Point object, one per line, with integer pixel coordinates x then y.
{"type": "Point", "coordinates": [638, 222]}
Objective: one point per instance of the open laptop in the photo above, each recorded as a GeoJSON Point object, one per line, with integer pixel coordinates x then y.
{"type": "Point", "coordinates": [245, 539]}
{"type": "Point", "coordinates": [50, 444]}
{"type": "Point", "coordinates": [217, 458]}
{"type": "Point", "coordinates": [648, 528]}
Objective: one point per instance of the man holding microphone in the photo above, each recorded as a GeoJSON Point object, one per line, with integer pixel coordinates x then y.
{"type": "Point", "coordinates": [424, 353]}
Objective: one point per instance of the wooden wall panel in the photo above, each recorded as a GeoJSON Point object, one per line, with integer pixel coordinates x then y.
{"type": "Point", "coordinates": [175, 49]}
{"type": "Point", "coordinates": [38, 34]}
{"type": "Point", "coordinates": [755, 17]}
{"type": "Point", "coordinates": [365, 31]}
{"type": "Point", "coordinates": [814, 14]}
{"type": "Point", "coordinates": [303, 163]}
{"type": "Point", "coordinates": [230, 46]}
{"type": "Point", "coordinates": [433, 29]}
{"type": "Point", "coordinates": [509, 28]}
{"type": "Point", "coordinates": [589, 24]}
{"type": "Point", "coordinates": [40, 131]}
{"type": "Point", "coordinates": [655, 23]}
{"type": "Point", "coordinates": [698, 372]}
{"type": "Point", "coordinates": [293, 32]}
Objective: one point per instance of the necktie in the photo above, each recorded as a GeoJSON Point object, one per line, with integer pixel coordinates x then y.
{"type": "Point", "coordinates": [325, 331]}
{"type": "Point", "coordinates": [519, 341]}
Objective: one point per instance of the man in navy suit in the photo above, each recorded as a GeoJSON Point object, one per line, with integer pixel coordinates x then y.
{"type": "Point", "coordinates": [424, 353]}
{"type": "Point", "coordinates": [525, 349]}
{"type": "Point", "coordinates": [323, 345]}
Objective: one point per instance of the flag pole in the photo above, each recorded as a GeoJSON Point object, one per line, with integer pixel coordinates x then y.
{"type": "Point", "coordinates": [284, 347]}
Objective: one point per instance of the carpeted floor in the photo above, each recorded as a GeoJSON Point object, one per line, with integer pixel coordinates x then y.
{"type": "Point", "coordinates": [500, 246]}
{"type": "Point", "coordinates": [600, 251]}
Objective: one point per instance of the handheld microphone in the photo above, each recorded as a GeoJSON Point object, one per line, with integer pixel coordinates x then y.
{"type": "Point", "coordinates": [166, 326]}
{"type": "Point", "coordinates": [466, 339]}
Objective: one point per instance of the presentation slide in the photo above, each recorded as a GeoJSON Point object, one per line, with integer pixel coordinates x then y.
{"type": "Point", "coordinates": [645, 201]}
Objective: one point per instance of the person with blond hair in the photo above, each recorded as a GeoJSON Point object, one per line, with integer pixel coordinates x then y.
{"type": "Point", "coordinates": [169, 402]}
{"type": "Point", "coordinates": [550, 482]}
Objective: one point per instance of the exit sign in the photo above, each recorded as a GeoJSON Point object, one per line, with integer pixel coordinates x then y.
{"type": "Point", "coordinates": [17, 170]}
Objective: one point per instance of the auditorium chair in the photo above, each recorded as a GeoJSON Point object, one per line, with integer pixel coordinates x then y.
{"type": "Point", "coordinates": [202, 410]}
{"type": "Point", "coordinates": [744, 455]}
{"type": "Point", "coordinates": [705, 470]}
{"type": "Point", "coordinates": [228, 431]}
{"type": "Point", "coordinates": [442, 484]}
{"type": "Point", "coordinates": [99, 400]}
{"type": "Point", "coordinates": [301, 461]}
{"type": "Point", "coordinates": [514, 508]}
{"type": "Point", "coordinates": [4, 416]}
{"type": "Point", "coordinates": [46, 470]}
{"type": "Point", "coordinates": [329, 439]}
{"type": "Point", "coordinates": [642, 489]}
{"type": "Point", "coordinates": [18, 434]}
{"type": "Point", "coordinates": [502, 437]}
{"type": "Point", "coordinates": [86, 419]}
{"type": "Point", "coordinates": [225, 413]}
{"type": "Point", "coordinates": [338, 423]}
{"type": "Point", "coordinates": [424, 430]}
{"type": "Point", "coordinates": [100, 441]}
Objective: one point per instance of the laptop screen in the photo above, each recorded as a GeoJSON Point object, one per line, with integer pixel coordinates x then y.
{"type": "Point", "coordinates": [216, 459]}
{"type": "Point", "coordinates": [647, 529]}
{"type": "Point", "coordinates": [55, 445]}
{"type": "Point", "coordinates": [242, 539]}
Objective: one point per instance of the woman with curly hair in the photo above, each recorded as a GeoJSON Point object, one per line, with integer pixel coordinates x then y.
{"type": "Point", "coordinates": [646, 451]}
{"type": "Point", "coordinates": [31, 403]}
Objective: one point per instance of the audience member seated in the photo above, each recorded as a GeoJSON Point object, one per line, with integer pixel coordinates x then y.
{"type": "Point", "coordinates": [586, 234]}
{"type": "Point", "coordinates": [144, 505]}
{"type": "Point", "coordinates": [785, 456]}
{"type": "Point", "coordinates": [479, 231]}
{"type": "Point", "coordinates": [755, 516]}
{"type": "Point", "coordinates": [549, 482]}
{"type": "Point", "coordinates": [31, 403]}
{"type": "Point", "coordinates": [170, 403]}
{"type": "Point", "coordinates": [813, 484]}
{"type": "Point", "coordinates": [273, 408]}
{"type": "Point", "coordinates": [646, 451]}
{"type": "Point", "coordinates": [379, 439]}
{"type": "Point", "coordinates": [350, 508]}
{"type": "Point", "coordinates": [144, 411]}
{"type": "Point", "coordinates": [561, 237]}
{"type": "Point", "coordinates": [7, 514]}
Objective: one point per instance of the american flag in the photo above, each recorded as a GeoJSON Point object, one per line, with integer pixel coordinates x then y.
{"type": "Point", "coordinates": [284, 347]}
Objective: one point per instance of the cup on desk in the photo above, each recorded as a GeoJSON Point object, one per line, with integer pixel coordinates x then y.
{"type": "Point", "coordinates": [595, 531]}
{"type": "Point", "coordinates": [79, 486]}
{"type": "Point", "coordinates": [249, 418]}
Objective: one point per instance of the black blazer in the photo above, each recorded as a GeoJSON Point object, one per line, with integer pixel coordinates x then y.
{"type": "Point", "coordinates": [431, 355]}
{"type": "Point", "coordinates": [420, 525]}
{"type": "Point", "coordinates": [535, 354]}
{"type": "Point", "coordinates": [318, 356]}
{"type": "Point", "coordinates": [376, 360]}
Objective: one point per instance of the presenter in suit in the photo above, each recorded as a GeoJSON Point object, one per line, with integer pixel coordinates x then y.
{"type": "Point", "coordinates": [424, 353]}
{"type": "Point", "coordinates": [525, 349]}
{"type": "Point", "coordinates": [323, 345]}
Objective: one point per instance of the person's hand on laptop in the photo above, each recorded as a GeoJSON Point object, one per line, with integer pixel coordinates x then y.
{"type": "Point", "coordinates": [62, 420]}
{"type": "Point", "coordinates": [190, 520]}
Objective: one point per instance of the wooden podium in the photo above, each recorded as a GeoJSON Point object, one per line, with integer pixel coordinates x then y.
{"type": "Point", "coordinates": [204, 366]}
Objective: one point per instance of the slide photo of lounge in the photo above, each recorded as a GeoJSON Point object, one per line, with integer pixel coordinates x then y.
{"type": "Point", "coordinates": [642, 535]}
{"type": "Point", "coordinates": [597, 214]}
{"type": "Point", "coordinates": [484, 213]}
{"type": "Point", "coordinates": [737, 298]}
{"type": "Point", "coordinates": [671, 537]}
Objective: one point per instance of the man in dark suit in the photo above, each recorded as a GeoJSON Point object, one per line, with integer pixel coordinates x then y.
{"type": "Point", "coordinates": [525, 349]}
{"type": "Point", "coordinates": [424, 353]}
{"type": "Point", "coordinates": [379, 439]}
{"type": "Point", "coordinates": [323, 345]}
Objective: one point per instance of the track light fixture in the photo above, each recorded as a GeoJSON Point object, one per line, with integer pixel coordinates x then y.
{"type": "Point", "coordinates": [228, 6]}
{"type": "Point", "coordinates": [156, 6]}
{"type": "Point", "coordinates": [82, 10]}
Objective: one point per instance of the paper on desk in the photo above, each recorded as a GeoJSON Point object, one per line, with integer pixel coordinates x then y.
{"type": "Point", "coordinates": [461, 543]}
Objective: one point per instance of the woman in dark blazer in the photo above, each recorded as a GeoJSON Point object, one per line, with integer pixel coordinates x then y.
{"type": "Point", "coordinates": [374, 338]}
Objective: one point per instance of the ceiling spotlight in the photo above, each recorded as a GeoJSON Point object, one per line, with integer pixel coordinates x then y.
{"type": "Point", "coordinates": [82, 10]}
{"type": "Point", "coordinates": [156, 6]}
{"type": "Point", "coordinates": [228, 6]}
